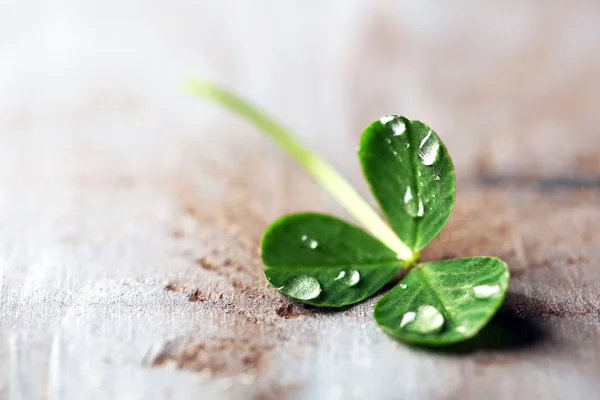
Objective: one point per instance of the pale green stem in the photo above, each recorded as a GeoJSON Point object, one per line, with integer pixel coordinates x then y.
{"type": "Point", "coordinates": [324, 173]}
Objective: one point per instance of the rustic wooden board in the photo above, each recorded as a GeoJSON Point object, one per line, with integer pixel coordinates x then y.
{"type": "Point", "coordinates": [130, 215]}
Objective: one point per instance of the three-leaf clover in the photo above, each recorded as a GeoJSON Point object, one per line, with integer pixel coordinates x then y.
{"type": "Point", "coordinates": [324, 261]}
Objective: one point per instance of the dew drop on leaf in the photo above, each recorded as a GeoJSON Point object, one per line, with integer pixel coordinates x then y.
{"type": "Point", "coordinates": [413, 205]}
{"type": "Point", "coordinates": [407, 318]}
{"type": "Point", "coordinates": [349, 277]}
{"type": "Point", "coordinates": [301, 287]}
{"type": "Point", "coordinates": [485, 291]}
{"type": "Point", "coordinates": [429, 149]}
{"type": "Point", "coordinates": [436, 177]}
{"type": "Point", "coordinates": [427, 319]}
{"type": "Point", "coordinates": [403, 286]}
{"type": "Point", "coordinates": [387, 118]}
{"type": "Point", "coordinates": [310, 243]}
{"type": "Point", "coordinates": [395, 123]}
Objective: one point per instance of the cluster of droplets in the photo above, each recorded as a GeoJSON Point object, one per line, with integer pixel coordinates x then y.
{"type": "Point", "coordinates": [309, 242]}
{"type": "Point", "coordinates": [429, 320]}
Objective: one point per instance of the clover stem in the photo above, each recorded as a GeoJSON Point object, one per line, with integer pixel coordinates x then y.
{"type": "Point", "coordinates": [322, 171]}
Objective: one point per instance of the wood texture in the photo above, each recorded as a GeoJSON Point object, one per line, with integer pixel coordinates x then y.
{"type": "Point", "coordinates": [130, 214]}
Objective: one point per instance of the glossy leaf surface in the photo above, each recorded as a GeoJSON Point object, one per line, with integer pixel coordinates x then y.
{"type": "Point", "coordinates": [411, 175]}
{"type": "Point", "coordinates": [444, 302]}
{"type": "Point", "coordinates": [321, 260]}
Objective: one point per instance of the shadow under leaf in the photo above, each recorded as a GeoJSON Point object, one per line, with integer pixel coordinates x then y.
{"type": "Point", "coordinates": [512, 329]}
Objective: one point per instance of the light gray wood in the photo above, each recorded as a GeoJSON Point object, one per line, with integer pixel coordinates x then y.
{"type": "Point", "coordinates": [130, 213]}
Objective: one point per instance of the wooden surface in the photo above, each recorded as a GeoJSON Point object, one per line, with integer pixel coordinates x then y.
{"type": "Point", "coordinates": [130, 214]}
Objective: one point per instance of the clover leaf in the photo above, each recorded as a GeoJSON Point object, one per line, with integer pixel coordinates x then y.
{"type": "Point", "coordinates": [323, 261]}
{"type": "Point", "coordinates": [411, 175]}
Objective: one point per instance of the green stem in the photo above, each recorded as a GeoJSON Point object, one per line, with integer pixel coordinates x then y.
{"type": "Point", "coordinates": [324, 173]}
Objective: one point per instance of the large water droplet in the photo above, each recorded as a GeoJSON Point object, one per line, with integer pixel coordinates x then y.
{"type": "Point", "coordinates": [387, 118]}
{"type": "Point", "coordinates": [413, 204]}
{"type": "Point", "coordinates": [407, 318]}
{"type": "Point", "coordinates": [310, 243]}
{"type": "Point", "coordinates": [427, 319]}
{"type": "Point", "coordinates": [392, 121]}
{"type": "Point", "coordinates": [349, 277]}
{"type": "Point", "coordinates": [429, 149]}
{"type": "Point", "coordinates": [485, 291]}
{"type": "Point", "coordinates": [301, 287]}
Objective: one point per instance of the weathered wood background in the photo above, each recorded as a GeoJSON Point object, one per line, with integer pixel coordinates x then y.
{"type": "Point", "coordinates": [130, 213]}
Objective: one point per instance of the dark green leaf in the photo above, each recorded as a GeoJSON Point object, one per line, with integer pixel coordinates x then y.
{"type": "Point", "coordinates": [411, 175]}
{"type": "Point", "coordinates": [444, 302]}
{"type": "Point", "coordinates": [321, 260]}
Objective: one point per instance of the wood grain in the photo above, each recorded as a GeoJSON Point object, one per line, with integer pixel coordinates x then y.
{"type": "Point", "coordinates": [130, 214]}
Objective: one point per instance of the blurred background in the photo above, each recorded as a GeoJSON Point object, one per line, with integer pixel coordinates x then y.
{"type": "Point", "coordinates": [116, 186]}
{"type": "Point", "coordinates": [511, 87]}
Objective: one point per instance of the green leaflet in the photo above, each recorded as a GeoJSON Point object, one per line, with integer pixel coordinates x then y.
{"type": "Point", "coordinates": [444, 302]}
{"type": "Point", "coordinates": [411, 175]}
{"type": "Point", "coordinates": [321, 260]}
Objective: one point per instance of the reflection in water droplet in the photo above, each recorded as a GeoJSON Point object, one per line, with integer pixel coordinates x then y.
{"type": "Point", "coordinates": [301, 287]}
{"type": "Point", "coordinates": [426, 320]}
{"type": "Point", "coordinates": [414, 206]}
{"type": "Point", "coordinates": [395, 123]}
{"type": "Point", "coordinates": [310, 243]}
{"type": "Point", "coordinates": [403, 286]}
{"type": "Point", "coordinates": [407, 318]}
{"type": "Point", "coordinates": [387, 118]}
{"type": "Point", "coordinates": [436, 177]}
{"type": "Point", "coordinates": [485, 291]}
{"type": "Point", "coordinates": [428, 149]}
{"type": "Point", "coordinates": [350, 277]}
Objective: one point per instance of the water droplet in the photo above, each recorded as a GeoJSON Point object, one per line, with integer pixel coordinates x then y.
{"type": "Point", "coordinates": [429, 148]}
{"type": "Point", "coordinates": [310, 243]}
{"type": "Point", "coordinates": [414, 206]}
{"type": "Point", "coordinates": [388, 140]}
{"type": "Point", "coordinates": [399, 128]}
{"type": "Point", "coordinates": [436, 177]}
{"type": "Point", "coordinates": [403, 286]}
{"type": "Point", "coordinates": [461, 329]}
{"type": "Point", "coordinates": [407, 145]}
{"type": "Point", "coordinates": [301, 287]}
{"type": "Point", "coordinates": [426, 320]}
{"type": "Point", "coordinates": [485, 291]}
{"type": "Point", "coordinates": [395, 123]}
{"type": "Point", "coordinates": [349, 278]}
{"type": "Point", "coordinates": [407, 318]}
{"type": "Point", "coordinates": [387, 118]}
